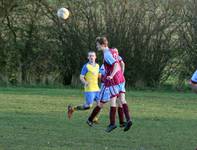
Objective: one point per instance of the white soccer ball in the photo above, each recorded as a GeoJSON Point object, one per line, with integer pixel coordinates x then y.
{"type": "Point", "coordinates": [63, 13]}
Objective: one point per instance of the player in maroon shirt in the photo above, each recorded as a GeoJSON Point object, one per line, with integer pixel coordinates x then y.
{"type": "Point", "coordinates": [115, 81]}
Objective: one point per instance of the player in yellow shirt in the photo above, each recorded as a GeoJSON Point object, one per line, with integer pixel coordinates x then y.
{"type": "Point", "coordinates": [89, 78]}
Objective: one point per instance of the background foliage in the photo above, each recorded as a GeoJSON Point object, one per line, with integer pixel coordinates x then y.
{"type": "Point", "coordinates": [157, 39]}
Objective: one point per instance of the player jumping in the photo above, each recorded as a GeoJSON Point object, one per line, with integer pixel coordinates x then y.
{"type": "Point", "coordinates": [105, 97]}
{"type": "Point", "coordinates": [115, 81]}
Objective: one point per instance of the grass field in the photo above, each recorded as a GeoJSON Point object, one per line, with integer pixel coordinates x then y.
{"type": "Point", "coordinates": [35, 119]}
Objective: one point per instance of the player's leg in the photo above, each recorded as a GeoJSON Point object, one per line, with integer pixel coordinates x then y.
{"type": "Point", "coordinates": [95, 113]}
{"type": "Point", "coordinates": [103, 97]}
{"type": "Point", "coordinates": [112, 115]}
{"type": "Point", "coordinates": [120, 113]}
{"type": "Point", "coordinates": [126, 112]}
{"type": "Point", "coordinates": [89, 97]}
{"type": "Point", "coordinates": [125, 106]}
{"type": "Point", "coordinates": [97, 99]}
{"type": "Point", "coordinates": [114, 92]}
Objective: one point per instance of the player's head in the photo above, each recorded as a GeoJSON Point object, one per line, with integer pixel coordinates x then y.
{"type": "Point", "coordinates": [101, 43]}
{"type": "Point", "coordinates": [116, 50]}
{"type": "Point", "coordinates": [91, 56]}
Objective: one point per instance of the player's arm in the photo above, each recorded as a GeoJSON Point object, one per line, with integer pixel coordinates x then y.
{"type": "Point", "coordinates": [115, 70]}
{"type": "Point", "coordinates": [122, 65]}
{"type": "Point", "coordinates": [111, 60]}
{"type": "Point", "coordinates": [82, 75]}
{"type": "Point", "coordinates": [99, 75]}
{"type": "Point", "coordinates": [83, 80]}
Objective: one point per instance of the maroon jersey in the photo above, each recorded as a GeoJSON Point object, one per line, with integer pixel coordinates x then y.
{"type": "Point", "coordinates": [110, 58]}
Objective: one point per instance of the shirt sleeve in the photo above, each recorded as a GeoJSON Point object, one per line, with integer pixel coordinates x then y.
{"type": "Point", "coordinates": [109, 58]}
{"type": "Point", "coordinates": [84, 70]}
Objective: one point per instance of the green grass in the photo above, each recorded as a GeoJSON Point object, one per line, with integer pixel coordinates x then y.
{"type": "Point", "coordinates": [35, 119]}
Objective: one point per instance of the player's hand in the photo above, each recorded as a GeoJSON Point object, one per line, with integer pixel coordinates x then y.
{"type": "Point", "coordinates": [86, 84]}
{"type": "Point", "coordinates": [109, 77]}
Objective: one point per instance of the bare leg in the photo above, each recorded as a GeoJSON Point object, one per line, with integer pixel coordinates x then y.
{"type": "Point", "coordinates": [126, 112]}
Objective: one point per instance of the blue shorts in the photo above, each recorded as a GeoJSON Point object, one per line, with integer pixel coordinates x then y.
{"type": "Point", "coordinates": [116, 90]}
{"type": "Point", "coordinates": [90, 97]}
{"type": "Point", "coordinates": [104, 95]}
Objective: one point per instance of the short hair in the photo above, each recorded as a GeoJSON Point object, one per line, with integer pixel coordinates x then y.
{"type": "Point", "coordinates": [115, 49]}
{"type": "Point", "coordinates": [91, 52]}
{"type": "Point", "coordinates": [101, 40]}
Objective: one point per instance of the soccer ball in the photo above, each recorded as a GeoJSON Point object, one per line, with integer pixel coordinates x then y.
{"type": "Point", "coordinates": [63, 13]}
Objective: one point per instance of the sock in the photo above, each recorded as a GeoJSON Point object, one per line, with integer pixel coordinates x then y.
{"type": "Point", "coordinates": [126, 111]}
{"type": "Point", "coordinates": [95, 111]}
{"type": "Point", "coordinates": [121, 115]}
{"type": "Point", "coordinates": [98, 114]}
{"type": "Point", "coordinates": [81, 108]}
{"type": "Point", "coordinates": [112, 115]}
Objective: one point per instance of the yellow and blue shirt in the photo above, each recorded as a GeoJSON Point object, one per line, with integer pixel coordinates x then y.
{"type": "Point", "coordinates": [91, 73]}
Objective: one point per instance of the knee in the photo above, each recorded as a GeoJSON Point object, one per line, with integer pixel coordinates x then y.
{"type": "Point", "coordinates": [123, 102]}
{"type": "Point", "coordinates": [88, 106]}
{"type": "Point", "coordinates": [101, 105]}
{"type": "Point", "coordinates": [113, 103]}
